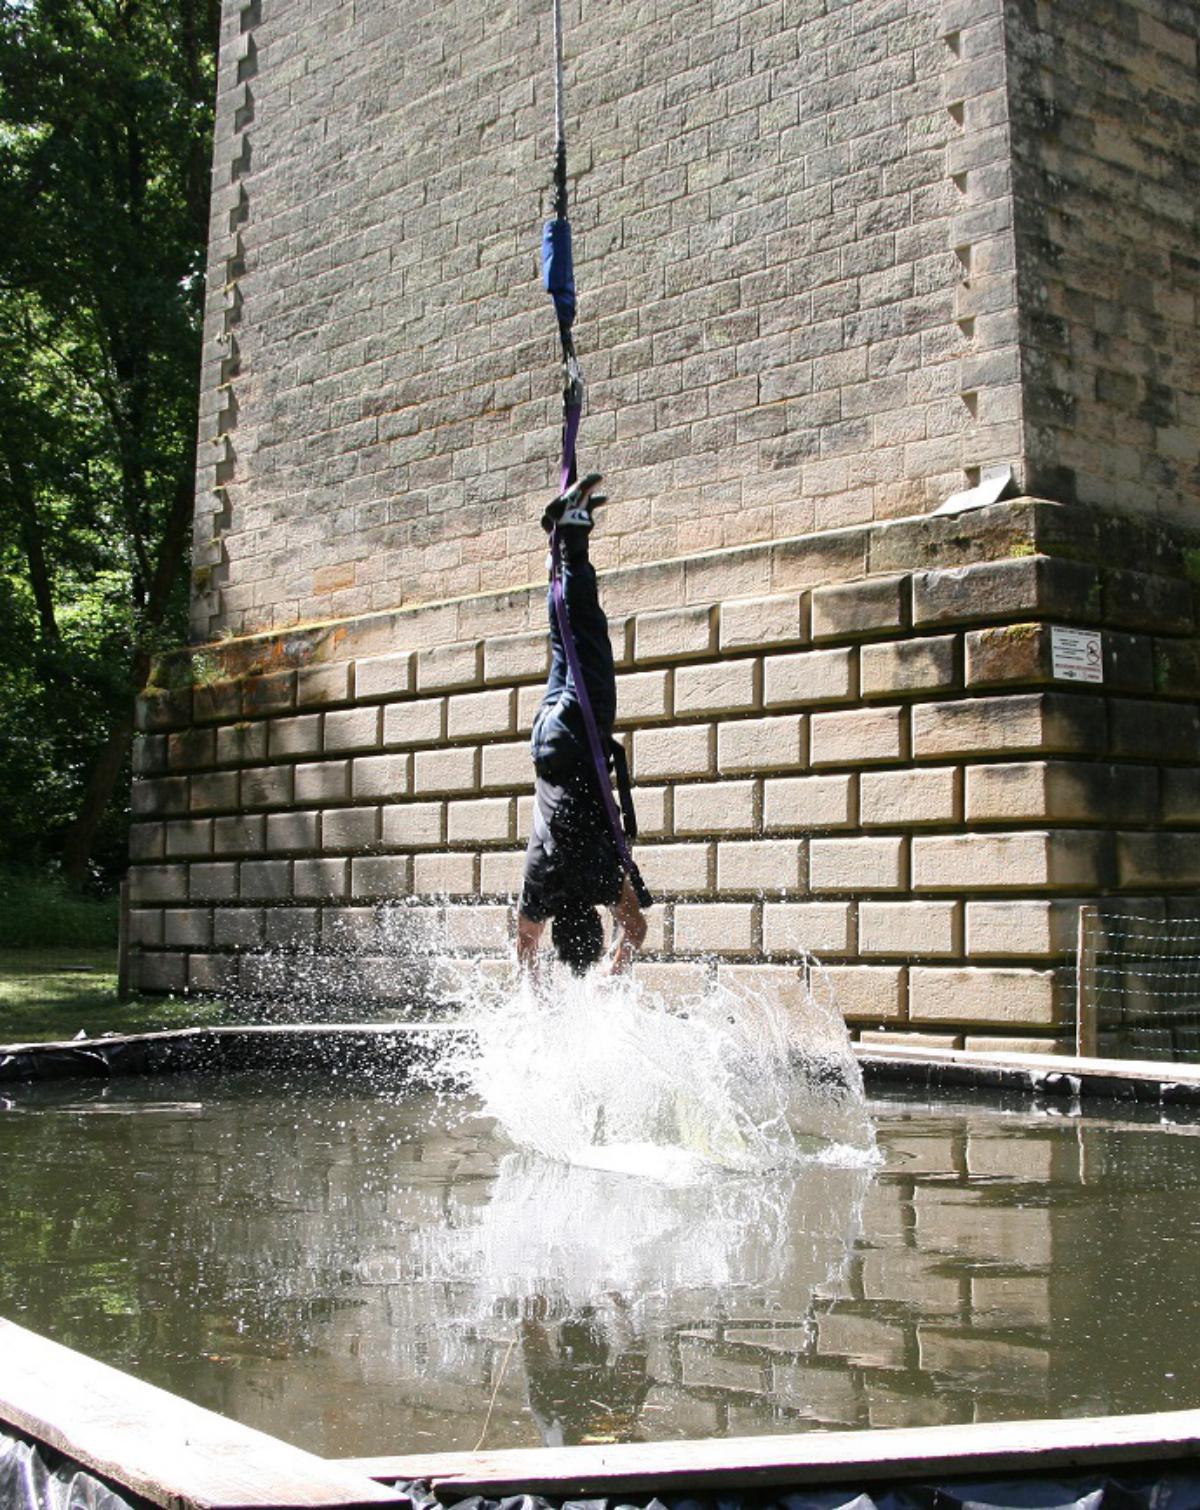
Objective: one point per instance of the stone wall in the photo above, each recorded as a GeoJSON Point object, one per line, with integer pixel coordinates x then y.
{"type": "Point", "coordinates": [850, 743]}
{"type": "Point", "coordinates": [796, 260]}
{"type": "Point", "coordinates": [1105, 114]}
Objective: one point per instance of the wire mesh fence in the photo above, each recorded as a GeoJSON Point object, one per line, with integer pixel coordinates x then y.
{"type": "Point", "coordinates": [1138, 985]}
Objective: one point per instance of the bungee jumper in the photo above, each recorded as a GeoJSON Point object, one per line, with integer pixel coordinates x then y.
{"type": "Point", "coordinates": [578, 856]}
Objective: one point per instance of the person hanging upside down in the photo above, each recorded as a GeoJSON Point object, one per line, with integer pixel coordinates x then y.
{"type": "Point", "coordinates": [573, 865]}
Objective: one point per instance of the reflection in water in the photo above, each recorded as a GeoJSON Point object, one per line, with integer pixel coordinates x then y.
{"type": "Point", "coordinates": [362, 1274]}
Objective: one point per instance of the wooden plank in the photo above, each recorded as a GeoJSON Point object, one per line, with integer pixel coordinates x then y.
{"type": "Point", "coordinates": [165, 1449]}
{"type": "Point", "coordinates": [1133, 1071]}
{"type": "Point", "coordinates": [808, 1459]}
{"type": "Point", "coordinates": [1085, 983]}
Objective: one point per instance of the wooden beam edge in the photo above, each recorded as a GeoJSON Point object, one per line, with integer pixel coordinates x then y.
{"type": "Point", "coordinates": [159, 1446]}
{"type": "Point", "coordinates": [808, 1459]}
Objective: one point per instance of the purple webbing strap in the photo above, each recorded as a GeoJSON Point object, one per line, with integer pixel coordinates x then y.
{"type": "Point", "coordinates": [558, 598]}
{"type": "Point", "coordinates": [571, 420]}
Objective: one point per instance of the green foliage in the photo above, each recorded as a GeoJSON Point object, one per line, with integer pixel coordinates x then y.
{"type": "Point", "coordinates": [39, 912]}
{"type": "Point", "coordinates": [105, 120]}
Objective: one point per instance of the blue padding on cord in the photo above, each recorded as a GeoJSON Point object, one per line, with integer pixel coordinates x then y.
{"type": "Point", "coordinates": [558, 269]}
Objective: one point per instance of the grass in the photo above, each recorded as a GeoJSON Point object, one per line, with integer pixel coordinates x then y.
{"type": "Point", "coordinates": [38, 912]}
{"type": "Point", "coordinates": [48, 994]}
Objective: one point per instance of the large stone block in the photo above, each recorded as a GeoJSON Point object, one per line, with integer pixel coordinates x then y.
{"type": "Point", "coordinates": [1031, 928]}
{"type": "Point", "coordinates": [1065, 858]}
{"type": "Point", "coordinates": [970, 995]}
{"type": "Point", "coordinates": [914, 929]}
{"type": "Point", "coordinates": [482, 715]}
{"type": "Point", "coordinates": [317, 686]}
{"type": "Point", "coordinates": [1059, 790]}
{"type": "Point", "coordinates": [825, 929]}
{"type": "Point", "coordinates": [855, 610]}
{"type": "Point", "coordinates": [383, 777]}
{"type": "Point", "coordinates": [321, 880]}
{"type": "Point", "coordinates": [414, 825]}
{"type": "Point", "coordinates": [191, 749]}
{"type": "Point", "coordinates": [450, 771]}
{"type": "Point", "coordinates": [762, 867]}
{"type": "Point", "coordinates": [509, 658]}
{"type": "Point", "coordinates": [1028, 586]}
{"type": "Point", "coordinates": [488, 820]}
{"type": "Point", "coordinates": [857, 865]}
{"type": "Point", "coordinates": [449, 875]}
{"type": "Point", "coordinates": [674, 634]}
{"type": "Point", "coordinates": [910, 799]}
{"type": "Point", "coordinates": [352, 729]}
{"type": "Point", "coordinates": [382, 876]}
{"type": "Point", "coordinates": [422, 722]}
{"type": "Point", "coordinates": [293, 831]}
{"type": "Point", "coordinates": [869, 993]}
{"type": "Point", "coordinates": [186, 838]}
{"type": "Point", "coordinates": [294, 736]}
{"type": "Point", "coordinates": [265, 880]}
{"type": "Point", "coordinates": [323, 781]}
{"type": "Point", "coordinates": [187, 927]}
{"type": "Point", "coordinates": [676, 869]}
{"type": "Point", "coordinates": [857, 737]}
{"type": "Point", "coordinates": [896, 667]}
{"type": "Point", "coordinates": [814, 678]}
{"type": "Point", "coordinates": [808, 802]}
{"type": "Point", "coordinates": [162, 796]}
{"type": "Point", "coordinates": [762, 623]}
{"type": "Point", "coordinates": [750, 745]}
{"type": "Point", "coordinates": [1048, 723]}
{"type": "Point", "coordinates": [721, 687]}
{"type": "Point", "coordinates": [266, 786]}
{"type": "Point", "coordinates": [1167, 860]}
{"type": "Point", "coordinates": [723, 928]}
{"type": "Point", "coordinates": [718, 807]}
{"type": "Point", "coordinates": [644, 697]}
{"type": "Point", "coordinates": [673, 753]}
{"type": "Point", "coordinates": [1151, 730]}
{"type": "Point", "coordinates": [384, 676]}
{"type": "Point", "coordinates": [350, 828]}
{"type": "Point", "coordinates": [447, 668]}
{"type": "Point", "coordinates": [242, 743]}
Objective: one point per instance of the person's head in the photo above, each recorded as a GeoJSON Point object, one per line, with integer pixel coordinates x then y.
{"type": "Point", "coordinates": [578, 937]}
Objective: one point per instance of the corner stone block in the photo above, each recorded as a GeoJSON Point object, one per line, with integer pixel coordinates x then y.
{"type": "Point", "coordinates": [675, 869]}
{"type": "Point", "coordinates": [163, 710]}
{"type": "Point", "coordinates": [809, 680]}
{"type": "Point", "coordinates": [510, 658]}
{"type": "Point", "coordinates": [352, 729]}
{"type": "Point", "coordinates": [149, 754]}
{"type": "Point", "coordinates": [908, 799]}
{"type": "Point", "coordinates": [158, 883]}
{"type": "Point", "coordinates": [451, 875]}
{"type": "Point", "coordinates": [1079, 859]}
{"type": "Point", "coordinates": [383, 676]}
{"type": "Point", "coordinates": [420, 723]}
{"type": "Point", "coordinates": [1167, 860]}
{"type": "Point", "coordinates": [266, 880]}
{"type": "Point", "coordinates": [714, 928]}
{"type": "Point", "coordinates": [898, 667]}
{"type": "Point", "coordinates": [383, 777]}
{"type": "Point", "coordinates": [162, 972]}
{"type": "Point", "coordinates": [1009, 655]}
{"type": "Point", "coordinates": [147, 841]}
{"type": "Point", "coordinates": [722, 687]}
{"type": "Point", "coordinates": [450, 771]}
{"type": "Point", "coordinates": [761, 867]}
{"type": "Point", "coordinates": [273, 693]}
{"type": "Point", "coordinates": [673, 753]}
{"type": "Point", "coordinates": [381, 876]}
{"type": "Point", "coordinates": [501, 875]}
{"type": "Point", "coordinates": [414, 825]}
{"type": "Point", "coordinates": [855, 865]}
{"type": "Point", "coordinates": [1066, 791]}
{"type": "Point", "coordinates": [674, 634]}
{"type": "Point", "coordinates": [446, 668]}
{"type": "Point", "coordinates": [908, 928]}
{"type": "Point", "coordinates": [1153, 730]}
{"type": "Point", "coordinates": [821, 928]}
{"type": "Point", "coordinates": [489, 820]}
{"type": "Point", "coordinates": [868, 993]}
{"type": "Point", "coordinates": [750, 745]}
{"type": "Point", "coordinates": [859, 736]}
{"type": "Point", "coordinates": [1022, 587]}
{"type": "Point", "coordinates": [321, 880]}
{"type": "Point", "coordinates": [761, 623]}
{"type": "Point", "coordinates": [215, 882]}
{"type": "Point", "coordinates": [350, 828]}
{"type": "Point", "coordinates": [161, 797]}
{"type": "Point", "coordinates": [145, 926]}
{"type": "Point", "coordinates": [1145, 600]}
{"type": "Point", "coordinates": [808, 802]}
{"type": "Point", "coordinates": [643, 697]}
{"type": "Point", "coordinates": [295, 736]}
{"type": "Point", "coordinates": [318, 685]}
{"type": "Point", "coordinates": [266, 786]}
{"type": "Point", "coordinates": [242, 743]}
{"type": "Point", "coordinates": [718, 807]}
{"type": "Point", "coordinates": [482, 715]}
{"type": "Point", "coordinates": [1179, 799]}
{"type": "Point", "coordinates": [1028, 928]}
{"type": "Point", "coordinates": [853, 610]}
{"type": "Point", "coordinates": [970, 995]}
{"type": "Point", "coordinates": [191, 749]}
{"type": "Point", "coordinates": [323, 781]}
{"type": "Point", "coordinates": [1036, 723]}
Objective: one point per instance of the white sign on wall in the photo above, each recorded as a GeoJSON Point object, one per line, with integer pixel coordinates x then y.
{"type": "Point", "coordinates": [1076, 655]}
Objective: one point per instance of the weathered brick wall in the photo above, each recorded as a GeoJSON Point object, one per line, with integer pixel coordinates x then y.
{"type": "Point", "coordinates": [795, 250]}
{"type": "Point", "coordinates": [1105, 118]}
{"type": "Point", "coordinates": [851, 743]}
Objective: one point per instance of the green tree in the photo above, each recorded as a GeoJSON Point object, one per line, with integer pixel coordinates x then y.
{"type": "Point", "coordinates": [105, 143]}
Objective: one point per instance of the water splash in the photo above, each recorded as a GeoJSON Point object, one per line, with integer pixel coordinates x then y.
{"type": "Point", "coordinates": [608, 1074]}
